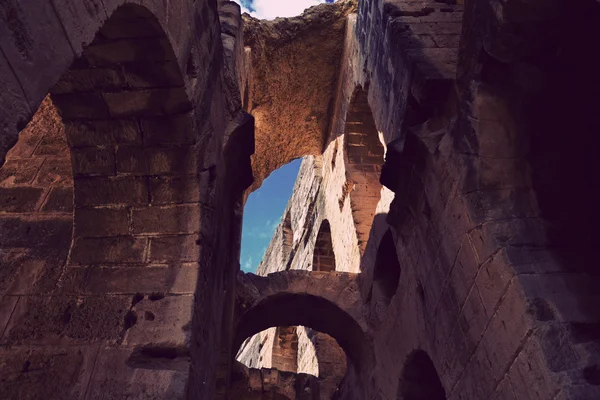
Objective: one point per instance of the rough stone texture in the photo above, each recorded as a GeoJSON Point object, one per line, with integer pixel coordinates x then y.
{"type": "Point", "coordinates": [291, 94]}
{"type": "Point", "coordinates": [120, 275]}
{"type": "Point", "coordinates": [136, 136]}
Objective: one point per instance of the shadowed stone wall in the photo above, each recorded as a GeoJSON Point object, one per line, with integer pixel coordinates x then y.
{"type": "Point", "coordinates": [109, 198]}
{"type": "Point", "coordinates": [487, 278]}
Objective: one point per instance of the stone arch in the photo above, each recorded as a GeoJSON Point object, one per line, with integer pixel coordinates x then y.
{"type": "Point", "coordinates": [386, 271]}
{"type": "Point", "coordinates": [133, 146]}
{"type": "Point", "coordinates": [364, 159]}
{"type": "Point", "coordinates": [326, 302]}
{"type": "Point", "coordinates": [310, 311]}
{"type": "Point", "coordinates": [323, 255]}
{"type": "Point", "coordinates": [285, 349]}
{"type": "Point", "coordinates": [420, 379]}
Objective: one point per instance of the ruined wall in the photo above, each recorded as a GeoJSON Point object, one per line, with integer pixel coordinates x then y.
{"type": "Point", "coordinates": [485, 281]}
{"type": "Point", "coordinates": [128, 288]}
{"type": "Point", "coordinates": [108, 198]}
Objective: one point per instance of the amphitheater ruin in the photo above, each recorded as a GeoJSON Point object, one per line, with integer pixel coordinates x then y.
{"type": "Point", "coordinates": [437, 244]}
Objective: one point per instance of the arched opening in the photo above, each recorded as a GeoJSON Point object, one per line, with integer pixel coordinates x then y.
{"type": "Point", "coordinates": [323, 256]}
{"type": "Point", "coordinates": [364, 159]}
{"type": "Point", "coordinates": [420, 380]}
{"type": "Point", "coordinates": [299, 350]}
{"type": "Point", "coordinates": [386, 272]}
{"type": "Point", "coordinates": [316, 313]}
{"type": "Point", "coordinates": [125, 199]}
{"type": "Point", "coordinates": [267, 238]}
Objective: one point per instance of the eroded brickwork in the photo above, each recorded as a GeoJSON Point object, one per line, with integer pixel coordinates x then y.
{"type": "Point", "coordinates": [461, 268]}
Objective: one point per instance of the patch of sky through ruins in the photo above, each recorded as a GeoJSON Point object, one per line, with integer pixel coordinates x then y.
{"type": "Point", "coordinates": [271, 9]}
{"type": "Point", "coordinates": [262, 213]}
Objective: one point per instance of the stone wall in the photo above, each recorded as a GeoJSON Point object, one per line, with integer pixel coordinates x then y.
{"type": "Point", "coordinates": [465, 265]}
{"type": "Point", "coordinates": [483, 283]}
{"type": "Point", "coordinates": [108, 197]}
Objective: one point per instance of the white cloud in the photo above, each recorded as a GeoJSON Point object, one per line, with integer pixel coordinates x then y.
{"type": "Point", "coordinates": [248, 264]}
{"type": "Point", "coordinates": [271, 9]}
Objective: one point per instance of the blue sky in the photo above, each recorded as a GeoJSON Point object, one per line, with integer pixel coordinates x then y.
{"type": "Point", "coordinates": [270, 9]}
{"type": "Point", "coordinates": [263, 212]}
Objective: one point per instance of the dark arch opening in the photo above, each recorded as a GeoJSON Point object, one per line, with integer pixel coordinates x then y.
{"type": "Point", "coordinates": [323, 255]}
{"type": "Point", "coordinates": [313, 312]}
{"type": "Point", "coordinates": [420, 380]}
{"type": "Point", "coordinates": [364, 159]}
{"type": "Point", "coordinates": [386, 273]}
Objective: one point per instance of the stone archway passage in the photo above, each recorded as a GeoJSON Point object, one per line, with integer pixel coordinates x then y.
{"type": "Point", "coordinates": [420, 380]}
{"type": "Point", "coordinates": [326, 302]}
{"type": "Point", "coordinates": [364, 159]}
{"type": "Point", "coordinates": [386, 273]}
{"type": "Point", "coordinates": [323, 256]}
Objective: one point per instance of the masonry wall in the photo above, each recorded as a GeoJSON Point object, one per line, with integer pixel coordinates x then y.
{"type": "Point", "coordinates": [120, 273]}
{"type": "Point", "coordinates": [108, 194]}
{"type": "Point", "coordinates": [486, 286]}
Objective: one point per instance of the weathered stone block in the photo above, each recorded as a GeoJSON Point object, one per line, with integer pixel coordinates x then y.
{"type": "Point", "coordinates": [102, 133]}
{"type": "Point", "coordinates": [146, 76]}
{"type": "Point", "coordinates": [176, 129]}
{"type": "Point", "coordinates": [55, 172]}
{"type": "Point", "coordinates": [178, 189]}
{"type": "Point", "coordinates": [20, 199]}
{"type": "Point", "coordinates": [147, 102]}
{"type": "Point", "coordinates": [509, 326]}
{"type": "Point", "coordinates": [528, 373]}
{"type": "Point", "coordinates": [175, 279]}
{"type": "Point", "coordinates": [166, 220]}
{"type": "Point", "coordinates": [157, 160]}
{"type": "Point", "coordinates": [40, 319]}
{"type": "Point", "coordinates": [60, 199]}
{"type": "Point", "coordinates": [130, 191]}
{"type": "Point", "coordinates": [129, 50]}
{"type": "Point", "coordinates": [19, 171]}
{"type": "Point", "coordinates": [167, 320]}
{"type": "Point", "coordinates": [109, 250]}
{"type": "Point", "coordinates": [81, 106]}
{"type": "Point", "coordinates": [182, 248]}
{"type": "Point", "coordinates": [99, 222]}
{"type": "Point", "coordinates": [30, 232]}
{"type": "Point", "coordinates": [94, 161]}
{"type": "Point", "coordinates": [122, 373]}
{"type": "Point", "coordinates": [61, 372]}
